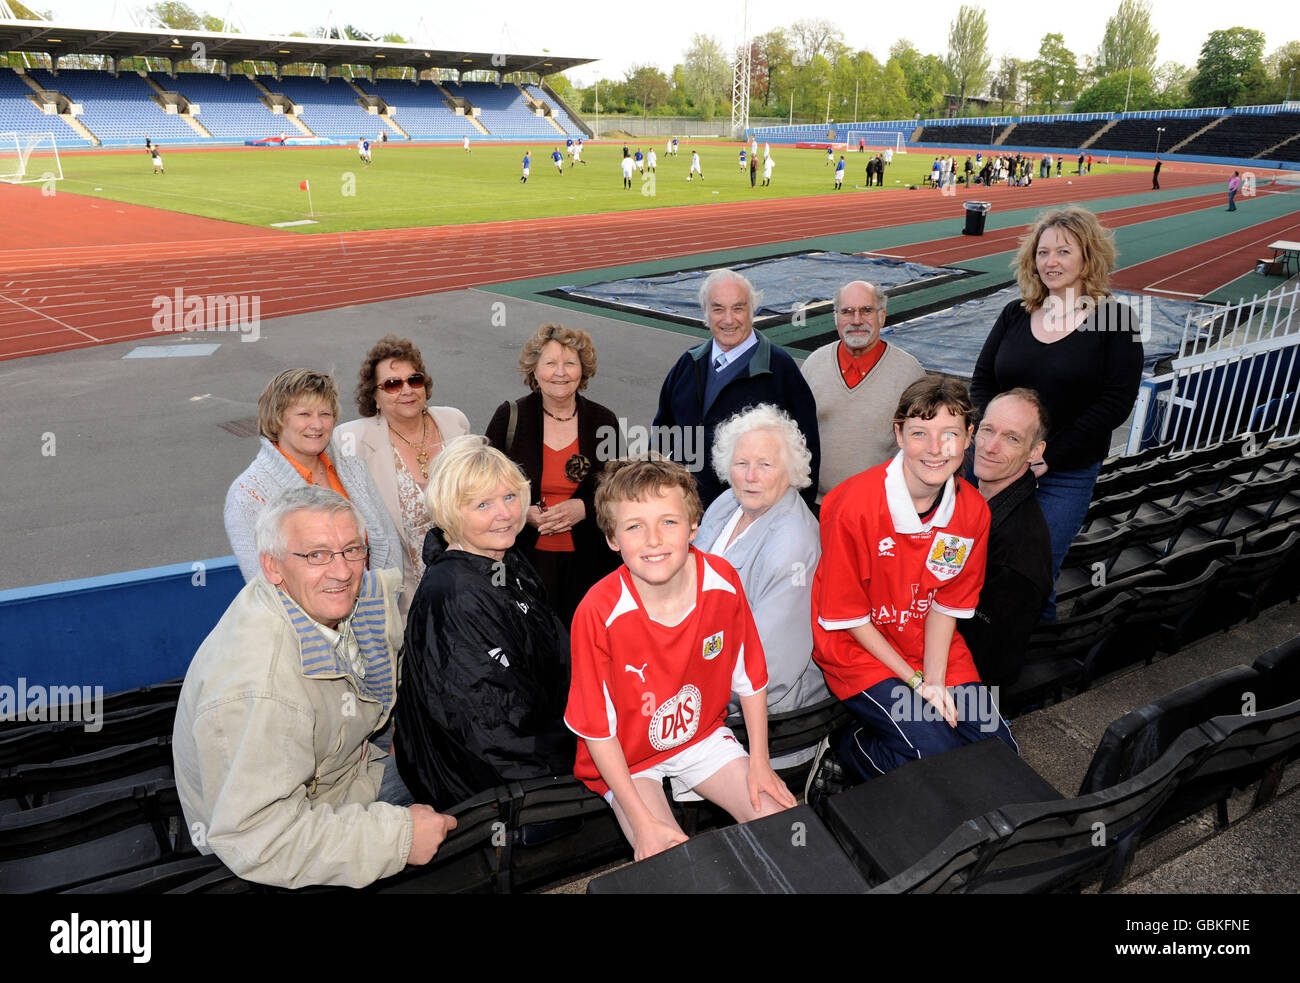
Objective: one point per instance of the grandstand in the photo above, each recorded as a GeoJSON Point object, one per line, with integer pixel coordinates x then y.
{"type": "Point", "coordinates": [109, 108]}
{"type": "Point", "coordinates": [229, 109]}
{"type": "Point", "coordinates": [421, 110]}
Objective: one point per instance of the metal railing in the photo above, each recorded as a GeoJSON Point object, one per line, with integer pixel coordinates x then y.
{"type": "Point", "coordinates": [1237, 371]}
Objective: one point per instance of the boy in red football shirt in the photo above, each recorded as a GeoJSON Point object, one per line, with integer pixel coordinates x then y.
{"type": "Point", "coordinates": [903, 551]}
{"type": "Point", "coordinates": [658, 647]}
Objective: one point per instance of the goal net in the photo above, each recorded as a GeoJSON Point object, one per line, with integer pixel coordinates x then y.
{"type": "Point", "coordinates": [876, 139]}
{"type": "Point", "coordinates": [29, 158]}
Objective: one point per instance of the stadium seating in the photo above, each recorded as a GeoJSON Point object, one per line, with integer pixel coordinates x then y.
{"type": "Point", "coordinates": [1245, 135]}
{"type": "Point", "coordinates": [329, 109]}
{"type": "Point", "coordinates": [1140, 134]}
{"type": "Point", "coordinates": [982, 821]}
{"type": "Point", "coordinates": [421, 110]}
{"type": "Point", "coordinates": [90, 836]}
{"type": "Point", "coordinates": [561, 117]}
{"type": "Point", "coordinates": [117, 110]}
{"type": "Point", "coordinates": [504, 111]}
{"type": "Point", "coordinates": [1073, 133]}
{"type": "Point", "coordinates": [229, 110]}
{"type": "Point", "coordinates": [20, 115]}
{"type": "Point", "coordinates": [788, 853]}
{"type": "Point", "coordinates": [964, 134]}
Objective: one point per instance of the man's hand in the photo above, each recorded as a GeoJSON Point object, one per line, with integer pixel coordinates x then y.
{"type": "Point", "coordinates": [942, 700]}
{"type": "Point", "coordinates": [655, 837]}
{"type": "Point", "coordinates": [561, 517]}
{"type": "Point", "coordinates": [431, 828]}
{"type": "Point", "coordinates": [763, 779]}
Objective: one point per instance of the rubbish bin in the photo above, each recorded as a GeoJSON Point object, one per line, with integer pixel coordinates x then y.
{"type": "Point", "coordinates": [976, 215]}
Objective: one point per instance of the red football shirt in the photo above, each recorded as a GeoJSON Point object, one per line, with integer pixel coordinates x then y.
{"type": "Point", "coordinates": [881, 563]}
{"type": "Point", "coordinates": [659, 689]}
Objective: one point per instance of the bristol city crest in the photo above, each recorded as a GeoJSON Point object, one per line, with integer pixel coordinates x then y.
{"type": "Point", "coordinates": [677, 719]}
{"type": "Point", "coordinates": [948, 555]}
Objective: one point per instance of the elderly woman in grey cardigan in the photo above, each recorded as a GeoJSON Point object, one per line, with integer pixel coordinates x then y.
{"type": "Point", "coordinates": [295, 416]}
{"type": "Point", "coordinates": [762, 527]}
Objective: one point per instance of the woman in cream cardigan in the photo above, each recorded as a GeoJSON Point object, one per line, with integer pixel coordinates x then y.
{"type": "Point", "coordinates": [397, 438]}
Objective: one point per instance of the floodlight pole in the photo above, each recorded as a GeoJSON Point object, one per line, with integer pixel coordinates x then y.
{"type": "Point", "coordinates": [1159, 132]}
{"type": "Point", "coordinates": [1130, 86]}
{"type": "Point", "coordinates": [1289, 79]}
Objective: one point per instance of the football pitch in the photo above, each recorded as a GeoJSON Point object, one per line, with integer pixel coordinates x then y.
{"type": "Point", "coordinates": [416, 186]}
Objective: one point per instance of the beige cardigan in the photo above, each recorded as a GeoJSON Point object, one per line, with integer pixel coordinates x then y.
{"type": "Point", "coordinates": [369, 440]}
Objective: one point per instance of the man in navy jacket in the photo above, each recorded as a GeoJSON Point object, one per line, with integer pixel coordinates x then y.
{"type": "Point", "coordinates": [713, 381]}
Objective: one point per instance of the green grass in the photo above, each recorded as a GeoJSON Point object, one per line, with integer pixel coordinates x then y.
{"type": "Point", "coordinates": [422, 186]}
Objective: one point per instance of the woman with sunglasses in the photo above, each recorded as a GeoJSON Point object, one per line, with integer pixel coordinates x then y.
{"type": "Point", "coordinates": [397, 439]}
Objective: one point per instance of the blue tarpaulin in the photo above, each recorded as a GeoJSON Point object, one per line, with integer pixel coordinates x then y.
{"type": "Point", "coordinates": [950, 340]}
{"type": "Point", "coordinates": [785, 282]}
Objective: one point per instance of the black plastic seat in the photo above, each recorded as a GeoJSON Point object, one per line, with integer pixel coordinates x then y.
{"type": "Point", "coordinates": [1279, 668]}
{"type": "Point", "coordinates": [1134, 742]}
{"type": "Point", "coordinates": [788, 853]}
{"type": "Point", "coordinates": [1057, 651]}
{"type": "Point", "coordinates": [51, 741]}
{"type": "Point", "coordinates": [1052, 845]}
{"type": "Point", "coordinates": [1248, 748]}
{"type": "Point", "coordinates": [91, 836]}
{"type": "Point", "coordinates": [132, 764]}
{"type": "Point", "coordinates": [891, 822]}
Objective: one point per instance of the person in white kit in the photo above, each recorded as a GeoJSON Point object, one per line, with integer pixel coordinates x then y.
{"type": "Point", "coordinates": [695, 166]}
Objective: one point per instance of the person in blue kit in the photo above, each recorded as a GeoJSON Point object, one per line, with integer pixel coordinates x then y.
{"type": "Point", "coordinates": [558, 159]}
{"type": "Point", "coordinates": [716, 379]}
{"type": "Point", "coordinates": [523, 178]}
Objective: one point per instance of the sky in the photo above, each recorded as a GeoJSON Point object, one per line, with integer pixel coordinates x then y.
{"type": "Point", "coordinates": [659, 31]}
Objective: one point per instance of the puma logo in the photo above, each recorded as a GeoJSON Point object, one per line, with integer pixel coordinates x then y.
{"type": "Point", "coordinates": [640, 672]}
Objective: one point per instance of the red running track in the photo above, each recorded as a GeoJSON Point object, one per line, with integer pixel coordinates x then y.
{"type": "Point", "coordinates": [103, 288]}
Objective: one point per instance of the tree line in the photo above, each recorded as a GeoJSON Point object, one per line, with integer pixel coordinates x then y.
{"type": "Point", "coordinates": [808, 71]}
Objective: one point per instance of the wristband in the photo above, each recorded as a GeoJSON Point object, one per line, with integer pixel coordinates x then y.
{"type": "Point", "coordinates": [917, 679]}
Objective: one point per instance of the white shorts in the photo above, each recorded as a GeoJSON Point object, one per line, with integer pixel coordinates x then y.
{"type": "Point", "coordinates": [525, 172]}
{"type": "Point", "coordinates": [696, 764]}
{"type": "Point", "coordinates": [695, 169]}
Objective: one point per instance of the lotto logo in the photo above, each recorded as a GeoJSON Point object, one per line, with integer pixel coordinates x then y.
{"type": "Point", "coordinates": [677, 719]}
{"type": "Point", "coordinates": [885, 546]}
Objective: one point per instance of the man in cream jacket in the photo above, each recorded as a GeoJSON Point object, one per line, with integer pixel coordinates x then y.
{"type": "Point", "coordinates": [275, 768]}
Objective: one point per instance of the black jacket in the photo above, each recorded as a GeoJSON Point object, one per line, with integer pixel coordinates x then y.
{"type": "Point", "coordinates": [1017, 581]}
{"type": "Point", "coordinates": [485, 678]}
{"type": "Point", "coordinates": [600, 439]}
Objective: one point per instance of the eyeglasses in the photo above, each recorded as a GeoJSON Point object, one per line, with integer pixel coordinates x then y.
{"type": "Point", "coordinates": [862, 312]}
{"type": "Point", "coordinates": [415, 381]}
{"type": "Point", "coordinates": [319, 558]}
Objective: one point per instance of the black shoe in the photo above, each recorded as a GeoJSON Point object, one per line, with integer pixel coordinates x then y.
{"type": "Point", "coordinates": [826, 777]}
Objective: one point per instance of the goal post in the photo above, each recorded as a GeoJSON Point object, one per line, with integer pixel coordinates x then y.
{"type": "Point", "coordinates": [29, 158]}
{"type": "Point", "coordinates": [876, 139]}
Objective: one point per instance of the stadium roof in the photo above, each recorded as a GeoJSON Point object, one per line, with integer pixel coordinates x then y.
{"type": "Point", "coordinates": [57, 40]}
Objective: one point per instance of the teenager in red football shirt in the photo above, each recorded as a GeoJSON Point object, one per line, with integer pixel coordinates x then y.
{"type": "Point", "coordinates": [903, 551]}
{"type": "Point", "coordinates": [658, 647]}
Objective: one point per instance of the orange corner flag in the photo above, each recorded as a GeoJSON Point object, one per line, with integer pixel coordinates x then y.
{"type": "Point", "coordinates": [303, 186]}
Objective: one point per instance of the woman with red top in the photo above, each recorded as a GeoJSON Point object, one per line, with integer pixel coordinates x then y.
{"type": "Point", "coordinates": [296, 415]}
{"type": "Point", "coordinates": [561, 441]}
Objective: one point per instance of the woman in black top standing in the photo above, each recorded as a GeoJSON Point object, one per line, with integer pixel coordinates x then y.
{"type": "Point", "coordinates": [1077, 347]}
